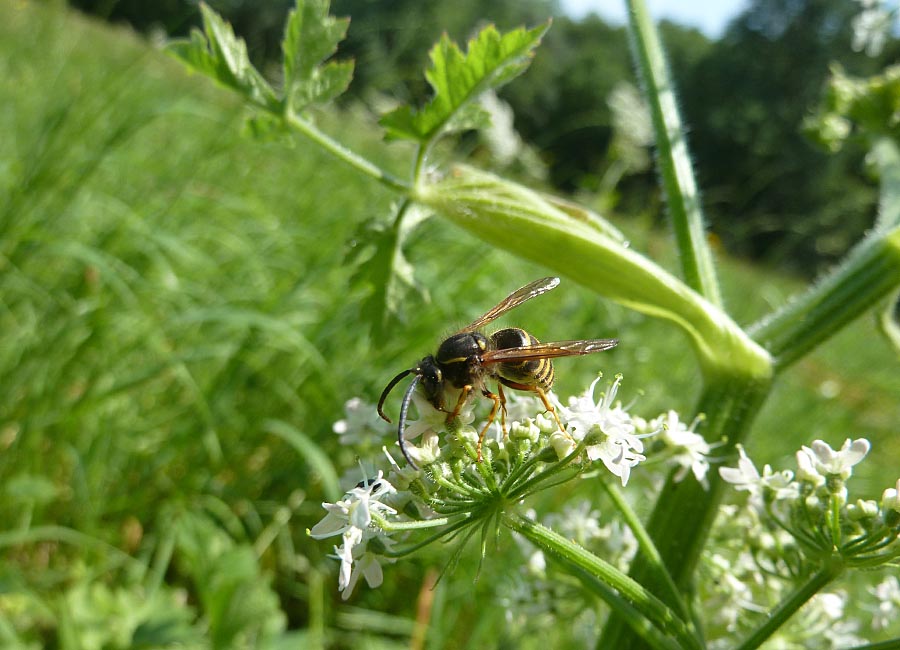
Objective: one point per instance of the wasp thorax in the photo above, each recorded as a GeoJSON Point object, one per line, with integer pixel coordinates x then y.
{"type": "Point", "coordinates": [459, 357]}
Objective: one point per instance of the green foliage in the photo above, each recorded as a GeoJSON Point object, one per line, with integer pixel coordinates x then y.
{"type": "Point", "coordinates": [855, 107]}
{"type": "Point", "coordinates": [216, 52]}
{"type": "Point", "coordinates": [807, 207]}
{"type": "Point", "coordinates": [382, 270]}
{"type": "Point", "coordinates": [240, 607]}
{"type": "Point", "coordinates": [179, 338]}
{"type": "Point", "coordinates": [457, 79]}
{"type": "Point", "coordinates": [311, 36]}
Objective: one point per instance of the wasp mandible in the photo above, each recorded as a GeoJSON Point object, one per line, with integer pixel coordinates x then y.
{"type": "Point", "coordinates": [467, 359]}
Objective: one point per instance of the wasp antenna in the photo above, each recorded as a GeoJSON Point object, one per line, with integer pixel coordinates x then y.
{"type": "Point", "coordinates": [387, 391]}
{"type": "Point", "coordinates": [404, 407]}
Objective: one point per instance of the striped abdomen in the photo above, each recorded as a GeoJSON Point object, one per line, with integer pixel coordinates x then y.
{"type": "Point", "coordinates": [534, 372]}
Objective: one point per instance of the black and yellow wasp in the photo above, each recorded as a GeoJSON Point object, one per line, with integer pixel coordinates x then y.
{"type": "Point", "coordinates": [467, 359]}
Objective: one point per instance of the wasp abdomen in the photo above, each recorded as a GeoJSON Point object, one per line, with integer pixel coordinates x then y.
{"type": "Point", "coordinates": [534, 372]}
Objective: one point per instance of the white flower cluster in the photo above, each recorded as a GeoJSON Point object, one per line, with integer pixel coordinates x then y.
{"type": "Point", "coordinates": [351, 518]}
{"type": "Point", "coordinates": [527, 449]}
{"type": "Point", "coordinates": [793, 523]}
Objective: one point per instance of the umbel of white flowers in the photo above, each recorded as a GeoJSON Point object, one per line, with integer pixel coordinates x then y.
{"type": "Point", "coordinates": [523, 453]}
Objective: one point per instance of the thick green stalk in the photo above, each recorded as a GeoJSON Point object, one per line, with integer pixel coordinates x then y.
{"type": "Point", "coordinates": [870, 273]}
{"type": "Point", "coordinates": [654, 560]}
{"type": "Point", "coordinates": [637, 605]}
{"type": "Point", "coordinates": [513, 217]}
{"type": "Point", "coordinates": [674, 161]}
{"type": "Point", "coordinates": [684, 513]}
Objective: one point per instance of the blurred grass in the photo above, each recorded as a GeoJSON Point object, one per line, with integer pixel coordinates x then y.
{"type": "Point", "coordinates": [178, 338]}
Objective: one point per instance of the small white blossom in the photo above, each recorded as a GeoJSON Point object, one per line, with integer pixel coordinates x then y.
{"type": "Point", "coordinates": [428, 451]}
{"type": "Point", "coordinates": [871, 27]}
{"type": "Point", "coordinates": [361, 423]}
{"type": "Point", "coordinates": [827, 461]}
{"type": "Point", "coordinates": [430, 419]}
{"type": "Point", "coordinates": [890, 499]}
{"type": "Point", "coordinates": [351, 518]}
{"type": "Point", "coordinates": [692, 450]}
{"type": "Point", "coordinates": [610, 425]}
{"type": "Point", "coordinates": [579, 522]}
{"type": "Point", "coordinates": [537, 564]}
{"type": "Point", "coordinates": [367, 565]}
{"type": "Point", "coordinates": [862, 509]}
{"type": "Point", "coordinates": [746, 477]}
{"type": "Point", "coordinates": [823, 619]}
{"type": "Point", "coordinates": [806, 470]}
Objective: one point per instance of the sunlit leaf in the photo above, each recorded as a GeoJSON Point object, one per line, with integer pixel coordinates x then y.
{"type": "Point", "coordinates": [311, 36]}
{"type": "Point", "coordinates": [382, 267]}
{"type": "Point", "coordinates": [218, 53]}
{"type": "Point", "coordinates": [491, 60]}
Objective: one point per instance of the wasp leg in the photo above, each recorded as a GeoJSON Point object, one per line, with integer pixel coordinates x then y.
{"type": "Point", "coordinates": [537, 390]}
{"type": "Point", "coordinates": [491, 416]}
{"type": "Point", "coordinates": [502, 411]}
{"type": "Point", "coordinates": [463, 398]}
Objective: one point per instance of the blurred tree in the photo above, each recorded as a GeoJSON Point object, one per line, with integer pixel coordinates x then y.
{"type": "Point", "coordinates": [261, 24]}
{"type": "Point", "coordinates": [769, 191]}
{"type": "Point", "coordinates": [561, 103]}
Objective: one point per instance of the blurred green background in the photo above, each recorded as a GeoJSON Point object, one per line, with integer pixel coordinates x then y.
{"type": "Point", "coordinates": [178, 329]}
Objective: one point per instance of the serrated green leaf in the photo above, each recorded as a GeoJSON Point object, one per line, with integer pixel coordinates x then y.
{"type": "Point", "coordinates": [218, 53]}
{"type": "Point", "coordinates": [311, 36]}
{"type": "Point", "coordinates": [491, 60]}
{"type": "Point", "coordinates": [381, 265]}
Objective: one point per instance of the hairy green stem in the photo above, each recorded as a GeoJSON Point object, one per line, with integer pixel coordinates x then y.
{"type": "Point", "coordinates": [684, 513]}
{"type": "Point", "coordinates": [870, 273]}
{"type": "Point", "coordinates": [341, 152]}
{"type": "Point", "coordinates": [674, 161]}
{"type": "Point", "coordinates": [636, 603]}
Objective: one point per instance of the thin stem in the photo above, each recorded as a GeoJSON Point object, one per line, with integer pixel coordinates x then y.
{"type": "Point", "coordinates": [648, 548]}
{"type": "Point", "coordinates": [673, 158]}
{"type": "Point", "coordinates": [550, 471]}
{"type": "Point", "coordinates": [634, 601]}
{"type": "Point", "coordinates": [343, 153]}
{"type": "Point", "coordinates": [450, 530]}
{"type": "Point", "coordinates": [789, 607]}
{"type": "Point", "coordinates": [417, 524]}
{"type": "Point", "coordinates": [683, 515]}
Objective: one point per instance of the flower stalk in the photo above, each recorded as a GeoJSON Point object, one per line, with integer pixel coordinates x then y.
{"type": "Point", "coordinates": [633, 595]}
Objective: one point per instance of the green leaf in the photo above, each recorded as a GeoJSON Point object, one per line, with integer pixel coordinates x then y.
{"type": "Point", "coordinates": [311, 36]}
{"type": "Point", "coordinates": [218, 53]}
{"type": "Point", "coordinates": [492, 59]}
{"type": "Point", "coordinates": [381, 264]}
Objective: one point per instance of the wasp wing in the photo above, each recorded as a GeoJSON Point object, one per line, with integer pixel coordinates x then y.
{"type": "Point", "coordinates": [513, 300]}
{"type": "Point", "coordinates": [548, 350]}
